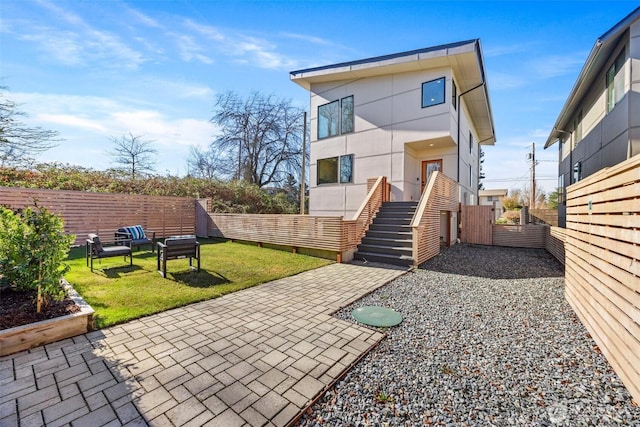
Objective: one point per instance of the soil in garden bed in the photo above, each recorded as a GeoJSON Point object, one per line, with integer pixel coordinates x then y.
{"type": "Point", "coordinates": [18, 308]}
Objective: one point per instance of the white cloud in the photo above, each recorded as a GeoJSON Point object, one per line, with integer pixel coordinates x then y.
{"type": "Point", "coordinates": [73, 42]}
{"type": "Point", "coordinates": [190, 50]}
{"type": "Point", "coordinates": [551, 66]}
{"type": "Point", "coordinates": [499, 80]}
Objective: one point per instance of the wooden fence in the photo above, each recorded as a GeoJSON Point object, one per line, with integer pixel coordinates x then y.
{"type": "Point", "coordinates": [603, 264]}
{"type": "Point", "coordinates": [546, 216]}
{"type": "Point", "coordinates": [103, 213]}
{"type": "Point", "coordinates": [332, 234]}
{"type": "Point", "coordinates": [440, 195]}
{"type": "Point", "coordinates": [555, 238]}
{"type": "Point", "coordinates": [475, 224]}
{"type": "Point", "coordinates": [519, 236]}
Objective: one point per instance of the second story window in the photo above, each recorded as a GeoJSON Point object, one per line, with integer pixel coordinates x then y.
{"type": "Point", "coordinates": [454, 95]}
{"type": "Point", "coordinates": [615, 82]}
{"type": "Point", "coordinates": [433, 92]}
{"type": "Point", "coordinates": [335, 118]}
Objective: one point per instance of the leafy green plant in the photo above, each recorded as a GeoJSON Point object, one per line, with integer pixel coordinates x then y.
{"type": "Point", "coordinates": [33, 249]}
{"type": "Point", "coordinates": [382, 397]}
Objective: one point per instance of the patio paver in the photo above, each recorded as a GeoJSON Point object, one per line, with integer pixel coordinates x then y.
{"type": "Point", "coordinates": [255, 357]}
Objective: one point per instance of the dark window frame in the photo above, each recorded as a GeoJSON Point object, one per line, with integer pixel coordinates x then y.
{"type": "Point", "coordinates": [441, 98]}
{"type": "Point", "coordinates": [454, 94]}
{"type": "Point", "coordinates": [344, 123]}
{"type": "Point", "coordinates": [340, 162]}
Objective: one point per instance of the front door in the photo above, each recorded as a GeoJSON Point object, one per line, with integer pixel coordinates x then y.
{"type": "Point", "coordinates": [428, 167]}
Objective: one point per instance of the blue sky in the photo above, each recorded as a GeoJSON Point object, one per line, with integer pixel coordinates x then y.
{"type": "Point", "coordinates": [93, 70]}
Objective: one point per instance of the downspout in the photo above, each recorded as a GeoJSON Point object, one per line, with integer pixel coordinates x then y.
{"type": "Point", "coordinates": [460, 108]}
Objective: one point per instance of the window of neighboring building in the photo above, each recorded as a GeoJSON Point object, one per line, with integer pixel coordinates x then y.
{"type": "Point", "coordinates": [335, 118]}
{"type": "Point", "coordinates": [470, 143]}
{"type": "Point", "coordinates": [433, 92]}
{"type": "Point", "coordinates": [470, 177]}
{"type": "Point", "coordinates": [577, 128]}
{"type": "Point", "coordinates": [615, 82]}
{"type": "Point", "coordinates": [577, 171]}
{"type": "Point", "coordinates": [454, 95]}
{"type": "Point", "coordinates": [335, 169]}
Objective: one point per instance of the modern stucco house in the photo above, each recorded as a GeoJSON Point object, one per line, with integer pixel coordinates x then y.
{"type": "Point", "coordinates": [401, 116]}
{"type": "Point", "coordinates": [599, 125]}
{"type": "Point", "coordinates": [493, 198]}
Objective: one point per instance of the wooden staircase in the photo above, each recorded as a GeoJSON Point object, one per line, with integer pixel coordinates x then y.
{"type": "Point", "coordinates": [389, 238]}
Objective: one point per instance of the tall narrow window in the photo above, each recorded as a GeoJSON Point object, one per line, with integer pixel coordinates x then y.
{"type": "Point", "coordinates": [577, 128]}
{"type": "Point", "coordinates": [470, 143]}
{"type": "Point", "coordinates": [577, 172]}
{"type": "Point", "coordinates": [470, 176]}
{"type": "Point", "coordinates": [561, 190]}
{"type": "Point", "coordinates": [346, 169]}
{"type": "Point", "coordinates": [433, 92]}
{"type": "Point", "coordinates": [454, 95]}
{"type": "Point", "coordinates": [615, 81]}
{"type": "Point", "coordinates": [335, 118]}
{"type": "Point", "coordinates": [347, 115]}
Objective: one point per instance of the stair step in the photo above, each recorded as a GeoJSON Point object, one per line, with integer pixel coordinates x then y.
{"type": "Point", "coordinates": [383, 249]}
{"type": "Point", "coordinates": [392, 240]}
{"type": "Point", "coordinates": [384, 234]}
{"type": "Point", "coordinates": [390, 228]}
{"type": "Point", "coordinates": [392, 221]}
{"type": "Point", "coordinates": [384, 258]}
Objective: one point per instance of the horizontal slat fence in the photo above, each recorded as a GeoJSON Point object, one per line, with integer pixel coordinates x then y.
{"type": "Point", "coordinates": [440, 195]}
{"type": "Point", "coordinates": [519, 236]}
{"type": "Point", "coordinates": [555, 241]}
{"type": "Point", "coordinates": [103, 213]}
{"type": "Point", "coordinates": [303, 231]}
{"type": "Point", "coordinates": [603, 264]}
{"type": "Point", "coordinates": [546, 216]}
{"type": "Point", "coordinates": [316, 232]}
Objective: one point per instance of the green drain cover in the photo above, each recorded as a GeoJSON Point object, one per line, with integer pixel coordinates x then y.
{"type": "Point", "coordinates": [377, 316]}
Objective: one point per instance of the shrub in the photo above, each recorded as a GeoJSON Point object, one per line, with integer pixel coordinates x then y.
{"type": "Point", "coordinates": [32, 250]}
{"type": "Point", "coordinates": [513, 217]}
{"type": "Point", "coordinates": [501, 221]}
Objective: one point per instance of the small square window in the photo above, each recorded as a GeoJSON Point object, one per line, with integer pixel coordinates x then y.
{"type": "Point", "coordinates": [433, 92]}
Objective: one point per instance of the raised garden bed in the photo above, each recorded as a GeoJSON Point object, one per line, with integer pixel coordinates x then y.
{"type": "Point", "coordinates": [19, 338]}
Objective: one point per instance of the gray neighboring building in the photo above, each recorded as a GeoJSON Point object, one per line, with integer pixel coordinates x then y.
{"type": "Point", "coordinates": [599, 125]}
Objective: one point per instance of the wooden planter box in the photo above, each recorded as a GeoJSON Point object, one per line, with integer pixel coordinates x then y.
{"type": "Point", "coordinates": [47, 331]}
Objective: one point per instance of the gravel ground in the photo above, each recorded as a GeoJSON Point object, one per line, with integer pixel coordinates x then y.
{"type": "Point", "coordinates": [487, 339]}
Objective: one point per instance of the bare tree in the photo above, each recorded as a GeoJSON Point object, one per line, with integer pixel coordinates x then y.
{"type": "Point", "coordinates": [20, 144]}
{"type": "Point", "coordinates": [261, 137]}
{"type": "Point", "coordinates": [203, 163]}
{"type": "Point", "coordinates": [133, 154]}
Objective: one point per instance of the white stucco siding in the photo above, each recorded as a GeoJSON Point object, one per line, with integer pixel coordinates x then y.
{"type": "Point", "coordinates": [388, 121]}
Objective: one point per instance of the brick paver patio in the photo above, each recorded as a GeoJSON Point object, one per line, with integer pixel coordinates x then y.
{"type": "Point", "coordinates": [256, 357]}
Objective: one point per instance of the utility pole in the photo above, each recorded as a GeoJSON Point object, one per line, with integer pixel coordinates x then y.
{"type": "Point", "coordinates": [532, 156]}
{"type": "Point", "coordinates": [304, 155]}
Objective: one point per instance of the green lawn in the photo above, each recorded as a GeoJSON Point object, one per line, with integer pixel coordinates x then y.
{"type": "Point", "coordinates": [118, 292]}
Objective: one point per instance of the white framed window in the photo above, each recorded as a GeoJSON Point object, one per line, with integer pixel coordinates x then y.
{"type": "Point", "coordinates": [433, 92]}
{"type": "Point", "coordinates": [335, 118]}
{"type": "Point", "coordinates": [335, 170]}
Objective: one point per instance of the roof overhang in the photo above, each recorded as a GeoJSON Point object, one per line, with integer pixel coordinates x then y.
{"type": "Point", "coordinates": [597, 59]}
{"type": "Point", "coordinates": [465, 58]}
